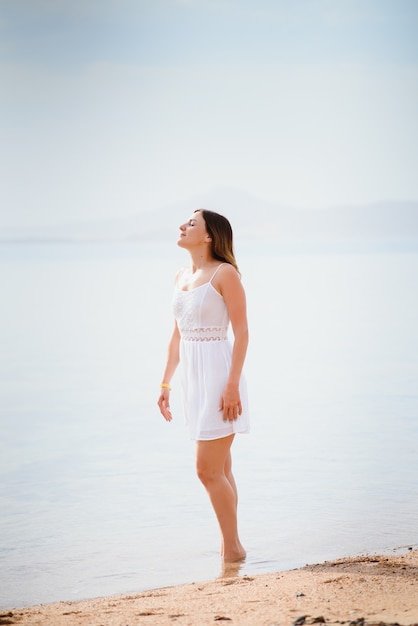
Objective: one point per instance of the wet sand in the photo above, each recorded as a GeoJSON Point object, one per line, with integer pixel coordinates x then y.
{"type": "Point", "coordinates": [357, 591]}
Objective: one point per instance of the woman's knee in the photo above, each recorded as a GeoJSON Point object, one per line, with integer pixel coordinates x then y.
{"type": "Point", "coordinates": [205, 472]}
{"type": "Point", "coordinates": [213, 458]}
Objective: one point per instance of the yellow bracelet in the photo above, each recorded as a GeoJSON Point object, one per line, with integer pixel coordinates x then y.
{"type": "Point", "coordinates": [165, 386]}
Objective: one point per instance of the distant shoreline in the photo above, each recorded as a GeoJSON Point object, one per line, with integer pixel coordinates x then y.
{"type": "Point", "coordinates": [252, 219]}
{"type": "Point", "coordinates": [348, 245]}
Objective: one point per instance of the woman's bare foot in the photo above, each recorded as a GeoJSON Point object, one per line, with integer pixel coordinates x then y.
{"type": "Point", "coordinates": [234, 555]}
{"type": "Point", "coordinates": [237, 553]}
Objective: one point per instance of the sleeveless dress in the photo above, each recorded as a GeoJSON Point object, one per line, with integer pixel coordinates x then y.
{"type": "Point", "coordinates": [205, 361]}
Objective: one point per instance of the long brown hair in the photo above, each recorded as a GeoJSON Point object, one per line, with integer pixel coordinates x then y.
{"type": "Point", "coordinates": [220, 231]}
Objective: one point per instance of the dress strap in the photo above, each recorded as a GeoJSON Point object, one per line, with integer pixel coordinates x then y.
{"type": "Point", "coordinates": [216, 271]}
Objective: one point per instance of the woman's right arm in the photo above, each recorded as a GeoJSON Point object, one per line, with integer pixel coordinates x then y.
{"type": "Point", "coordinates": [173, 358]}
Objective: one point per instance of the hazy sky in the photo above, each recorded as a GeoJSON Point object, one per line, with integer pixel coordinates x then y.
{"type": "Point", "coordinates": [109, 107]}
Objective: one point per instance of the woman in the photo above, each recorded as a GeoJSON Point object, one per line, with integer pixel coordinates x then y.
{"type": "Point", "coordinates": [209, 295]}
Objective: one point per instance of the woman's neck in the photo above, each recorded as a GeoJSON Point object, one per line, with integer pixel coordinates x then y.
{"type": "Point", "coordinates": [201, 259]}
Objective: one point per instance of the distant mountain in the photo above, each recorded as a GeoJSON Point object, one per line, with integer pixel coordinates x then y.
{"type": "Point", "coordinates": [252, 219]}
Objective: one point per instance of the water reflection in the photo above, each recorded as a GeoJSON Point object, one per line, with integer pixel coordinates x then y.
{"type": "Point", "coordinates": [231, 570]}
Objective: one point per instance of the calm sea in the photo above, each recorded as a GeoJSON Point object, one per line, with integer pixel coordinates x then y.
{"type": "Point", "coordinates": [98, 494]}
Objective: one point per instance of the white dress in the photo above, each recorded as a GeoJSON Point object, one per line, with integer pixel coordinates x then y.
{"type": "Point", "coordinates": [205, 361]}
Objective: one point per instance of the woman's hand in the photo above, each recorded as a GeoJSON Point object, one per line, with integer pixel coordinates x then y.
{"type": "Point", "coordinates": [164, 404]}
{"type": "Point", "coordinates": [230, 404]}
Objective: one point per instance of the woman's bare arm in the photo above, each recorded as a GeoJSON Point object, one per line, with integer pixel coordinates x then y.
{"type": "Point", "coordinates": [230, 287]}
{"type": "Point", "coordinates": [173, 358]}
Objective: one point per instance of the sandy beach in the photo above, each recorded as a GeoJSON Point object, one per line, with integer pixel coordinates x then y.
{"type": "Point", "coordinates": [362, 590]}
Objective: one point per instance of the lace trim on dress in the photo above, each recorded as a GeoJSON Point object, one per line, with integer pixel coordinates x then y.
{"type": "Point", "coordinates": [213, 333]}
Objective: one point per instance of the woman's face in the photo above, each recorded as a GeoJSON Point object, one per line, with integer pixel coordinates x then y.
{"type": "Point", "coordinates": [193, 232]}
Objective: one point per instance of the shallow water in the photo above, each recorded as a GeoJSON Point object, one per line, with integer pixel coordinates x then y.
{"type": "Point", "coordinates": [98, 494]}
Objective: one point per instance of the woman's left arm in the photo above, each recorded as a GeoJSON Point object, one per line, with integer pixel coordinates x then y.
{"type": "Point", "coordinates": [231, 289]}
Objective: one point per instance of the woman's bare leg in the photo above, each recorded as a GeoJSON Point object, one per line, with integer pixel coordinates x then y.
{"type": "Point", "coordinates": [213, 465]}
{"type": "Point", "coordinates": [231, 480]}
{"type": "Point", "coordinates": [230, 477]}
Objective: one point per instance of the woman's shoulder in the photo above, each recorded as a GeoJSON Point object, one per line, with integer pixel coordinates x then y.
{"type": "Point", "coordinates": [227, 270]}
{"type": "Point", "coordinates": [226, 277]}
